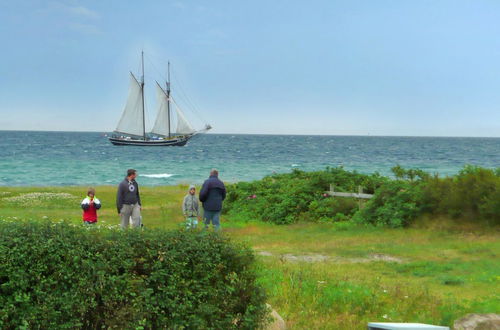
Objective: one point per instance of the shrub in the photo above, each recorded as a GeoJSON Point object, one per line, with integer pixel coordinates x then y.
{"type": "Point", "coordinates": [395, 204]}
{"type": "Point", "coordinates": [331, 209]}
{"type": "Point", "coordinates": [288, 198]}
{"type": "Point", "coordinates": [409, 174]}
{"type": "Point", "coordinates": [474, 194]}
{"type": "Point", "coordinates": [64, 276]}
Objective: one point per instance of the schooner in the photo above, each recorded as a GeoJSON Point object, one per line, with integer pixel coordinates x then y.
{"type": "Point", "coordinates": [131, 129]}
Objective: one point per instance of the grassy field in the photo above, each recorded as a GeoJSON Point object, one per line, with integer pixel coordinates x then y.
{"type": "Point", "coordinates": [324, 276]}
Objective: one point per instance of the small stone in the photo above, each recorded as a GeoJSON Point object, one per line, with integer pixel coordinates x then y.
{"type": "Point", "coordinates": [277, 322]}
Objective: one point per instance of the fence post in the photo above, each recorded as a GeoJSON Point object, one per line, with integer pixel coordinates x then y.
{"type": "Point", "coordinates": [360, 191]}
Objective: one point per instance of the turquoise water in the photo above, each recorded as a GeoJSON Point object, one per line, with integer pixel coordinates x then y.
{"type": "Point", "coordinates": [75, 158]}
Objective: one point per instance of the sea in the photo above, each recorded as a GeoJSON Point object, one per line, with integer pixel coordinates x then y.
{"type": "Point", "coordinates": [34, 158]}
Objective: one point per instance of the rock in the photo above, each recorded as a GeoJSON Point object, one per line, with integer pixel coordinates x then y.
{"type": "Point", "coordinates": [478, 322]}
{"type": "Point", "coordinates": [277, 322]}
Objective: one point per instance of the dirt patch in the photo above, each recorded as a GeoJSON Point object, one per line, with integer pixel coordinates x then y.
{"type": "Point", "coordinates": [322, 258]}
{"type": "Point", "coordinates": [384, 257]}
{"type": "Point", "coordinates": [305, 258]}
{"type": "Point", "coordinates": [373, 258]}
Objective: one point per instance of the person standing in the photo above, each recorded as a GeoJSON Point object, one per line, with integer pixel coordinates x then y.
{"type": "Point", "coordinates": [90, 205]}
{"type": "Point", "coordinates": [190, 208]}
{"type": "Point", "coordinates": [212, 193]}
{"type": "Point", "coordinates": [128, 201]}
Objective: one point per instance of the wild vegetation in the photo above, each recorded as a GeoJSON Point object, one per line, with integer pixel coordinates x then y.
{"type": "Point", "coordinates": [292, 197]}
{"type": "Point", "coordinates": [473, 194]}
{"type": "Point", "coordinates": [328, 269]}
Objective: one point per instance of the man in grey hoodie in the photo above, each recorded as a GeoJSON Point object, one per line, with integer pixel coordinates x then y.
{"type": "Point", "coordinates": [128, 200]}
{"type": "Point", "coordinates": [190, 208]}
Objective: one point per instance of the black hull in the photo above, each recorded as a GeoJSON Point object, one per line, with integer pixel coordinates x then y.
{"type": "Point", "coordinates": [179, 142]}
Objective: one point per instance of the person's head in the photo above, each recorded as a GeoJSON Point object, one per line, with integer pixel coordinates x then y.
{"type": "Point", "coordinates": [91, 192]}
{"type": "Point", "coordinates": [214, 172]}
{"type": "Point", "coordinates": [192, 189]}
{"type": "Point", "coordinates": [131, 174]}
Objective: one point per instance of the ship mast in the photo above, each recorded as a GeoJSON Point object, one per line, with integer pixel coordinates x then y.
{"type": "Point", "coordinates": [168, 98]}
{"type": "Point", "coordinates": [142, 94]}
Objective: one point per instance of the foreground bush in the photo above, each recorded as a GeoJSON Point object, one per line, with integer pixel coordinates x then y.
{"type": "Point", "coordinates": [64, 276]}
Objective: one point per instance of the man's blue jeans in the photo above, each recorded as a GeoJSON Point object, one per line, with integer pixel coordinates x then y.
{"type": "Point", "coordinates": [211, 216]}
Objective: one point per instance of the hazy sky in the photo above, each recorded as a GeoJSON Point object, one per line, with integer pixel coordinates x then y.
{"type": "Point", "coordinates": [297, 67]}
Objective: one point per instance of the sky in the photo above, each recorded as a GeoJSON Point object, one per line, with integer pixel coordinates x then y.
{"type": "Point", "coordinates": [353, 67]}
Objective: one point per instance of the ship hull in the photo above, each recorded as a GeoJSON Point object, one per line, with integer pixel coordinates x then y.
{"type": "Point", "coordinates": [178, 142]}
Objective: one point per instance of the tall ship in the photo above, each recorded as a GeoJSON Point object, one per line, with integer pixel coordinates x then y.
{"type": "Point", "coordinates": [166, 131]}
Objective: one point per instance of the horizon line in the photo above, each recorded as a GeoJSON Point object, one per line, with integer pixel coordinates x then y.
{"type": "Point", "coordinates": [270, 134]}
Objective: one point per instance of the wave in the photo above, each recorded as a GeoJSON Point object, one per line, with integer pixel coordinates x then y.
{"type": "Point", "coordinates": [158, 176]}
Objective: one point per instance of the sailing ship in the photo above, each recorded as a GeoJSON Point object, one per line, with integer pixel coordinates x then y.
{"type": "Point", "coordinates": [131, 129]}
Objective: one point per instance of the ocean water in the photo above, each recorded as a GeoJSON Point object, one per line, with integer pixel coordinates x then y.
{"type": "Point", "coordinates": [76, 158]}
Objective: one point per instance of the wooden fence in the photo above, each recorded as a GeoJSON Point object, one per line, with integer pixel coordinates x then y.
{"type": "Point", "coordinates": [359, 194]}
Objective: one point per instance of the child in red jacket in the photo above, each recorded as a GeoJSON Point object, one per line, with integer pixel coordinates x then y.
{"type": "Point", "coordinates": [90, 205]}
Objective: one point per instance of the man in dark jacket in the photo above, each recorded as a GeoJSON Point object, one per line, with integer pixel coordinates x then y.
{"type": "Point", "coordinates": [128, 200]}
{"type": "Point", "coordinates": [212, 194]}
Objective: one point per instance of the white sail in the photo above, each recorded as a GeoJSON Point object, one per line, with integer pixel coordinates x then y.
{"type": "Point", "coordinates": [161, 123]}
{"type": "Point", "coordinates": [132, 121]}
{"type": "Point", "coordinates": [183, 126]}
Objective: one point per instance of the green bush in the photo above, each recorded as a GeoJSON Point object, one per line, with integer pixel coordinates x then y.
{"type": "Point", "coordinates": [395, 204]}
{"type": "Point", "coordinates": [57, 275]}
{"type": "Point", "coordinates": [331, 209]}
{"type": "Point", "coordinates": [472, 194]}
{"type": "Point", "coordinates": [288, 198]}
{"type": "Point", "coordinates": [411, 174]}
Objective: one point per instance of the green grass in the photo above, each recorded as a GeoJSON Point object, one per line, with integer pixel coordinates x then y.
{"type": "Point", "coordinates": [447, 270]}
